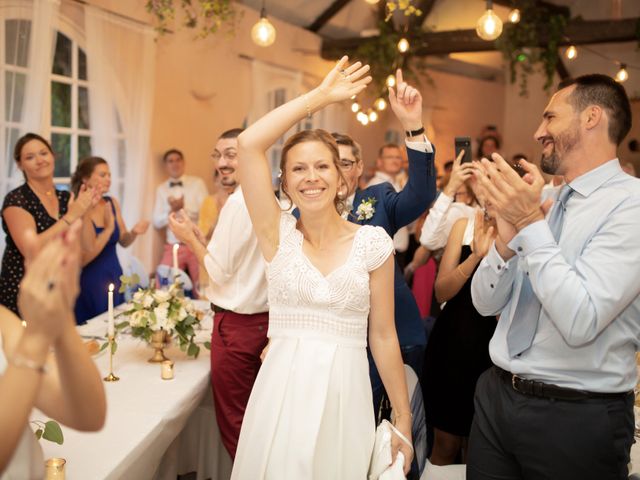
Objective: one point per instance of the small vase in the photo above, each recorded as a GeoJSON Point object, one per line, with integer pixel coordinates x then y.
{"type": "Point", "coordinates": [159, 340]}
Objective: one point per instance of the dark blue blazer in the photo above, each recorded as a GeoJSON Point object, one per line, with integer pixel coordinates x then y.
{"type": "Point", "coordinates": [394, 210]}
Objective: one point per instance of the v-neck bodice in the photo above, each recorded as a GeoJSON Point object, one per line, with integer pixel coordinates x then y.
{"type": "Point", "coordinates": [302, 301]}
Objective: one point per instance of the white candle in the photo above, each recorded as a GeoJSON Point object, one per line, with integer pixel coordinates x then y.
{"type": "Point", "coordinates": [111, 327]}
{"type": "Point", "coordinates": [176, 247]}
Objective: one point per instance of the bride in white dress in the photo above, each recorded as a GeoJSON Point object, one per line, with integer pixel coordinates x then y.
{"type": "Point", "coordinates": [330, 288]}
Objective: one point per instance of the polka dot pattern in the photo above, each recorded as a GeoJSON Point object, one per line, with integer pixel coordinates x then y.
{"type": "Point", "coordinates": [12, 260]}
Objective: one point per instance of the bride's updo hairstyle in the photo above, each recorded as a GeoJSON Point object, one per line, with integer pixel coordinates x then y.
{"type": "Point", "coordinates": [325, 138]}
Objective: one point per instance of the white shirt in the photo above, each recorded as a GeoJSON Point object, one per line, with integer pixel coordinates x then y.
{"type": "Point", "coordinates": [588, 330]}
{"type": "Point", "coordinates": [236, 268]}
{"type": "Point", "coordinates": [442, 216]}
{"type": "Point", "coordinates": [193, 190]}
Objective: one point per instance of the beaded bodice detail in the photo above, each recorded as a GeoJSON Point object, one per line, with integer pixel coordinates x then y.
{"type": "Point", "coordinates": [303, 301]}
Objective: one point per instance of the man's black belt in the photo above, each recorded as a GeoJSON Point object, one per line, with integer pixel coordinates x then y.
{"type": "Point", "coordinates": [217, 309]}
{"type": "Point", "coordinates": [546, 390]}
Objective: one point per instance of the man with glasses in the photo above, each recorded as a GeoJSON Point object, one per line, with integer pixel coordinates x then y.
{"type": "Point", "coordinates": [237, 291]}
{"type": "Point", "coordinates": [381, 205]}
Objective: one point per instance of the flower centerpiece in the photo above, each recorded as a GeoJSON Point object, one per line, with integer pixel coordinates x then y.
{"type": "Point", "coordinates": [154, 315]}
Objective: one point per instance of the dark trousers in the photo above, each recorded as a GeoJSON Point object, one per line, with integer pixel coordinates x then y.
{"type": "Point", "coordinates": [517, 436]}
{"type": "Point", "coordinates": [236, 343]}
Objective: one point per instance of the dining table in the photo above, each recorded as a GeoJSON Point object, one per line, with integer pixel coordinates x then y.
{"type": "Point", "coordinates": [155, 428]}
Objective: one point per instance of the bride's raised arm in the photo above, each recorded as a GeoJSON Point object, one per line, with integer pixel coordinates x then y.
{"type": "Point", "coordinates": [341, 83]}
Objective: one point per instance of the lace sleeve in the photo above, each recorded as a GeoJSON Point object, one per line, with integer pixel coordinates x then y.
{"type": "Point", "coordinates": [379, 247]}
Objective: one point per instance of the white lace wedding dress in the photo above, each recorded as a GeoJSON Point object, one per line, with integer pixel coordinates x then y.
{"type": "Point", "coordinates": [310, 414]}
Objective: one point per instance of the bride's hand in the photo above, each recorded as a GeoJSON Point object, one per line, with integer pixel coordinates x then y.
{"type": "Point", "coordinates": [398, 444]}
{"type": "Point", "coordinates": [344, 81]}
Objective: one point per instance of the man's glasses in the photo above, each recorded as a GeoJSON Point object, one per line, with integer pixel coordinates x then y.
{"type": "Point", "coordinates": [346, 164]}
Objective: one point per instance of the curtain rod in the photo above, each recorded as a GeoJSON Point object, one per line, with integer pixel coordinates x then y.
{"type": "Point", "coordinates": [111, 12]}
{"type": "Point", "coordinates": [273, 64]}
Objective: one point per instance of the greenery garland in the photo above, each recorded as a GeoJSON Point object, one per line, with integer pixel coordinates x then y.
{"type": "Point", "coordinates": [209, 16]}
{"type": "Point", "coordinates": [520, 43]}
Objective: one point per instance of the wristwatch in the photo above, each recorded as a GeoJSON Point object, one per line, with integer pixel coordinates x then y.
{"type": "Point", "coordinates": [414, 133]}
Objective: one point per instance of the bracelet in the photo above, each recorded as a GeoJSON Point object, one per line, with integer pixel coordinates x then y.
{"type": "Point", "coordinates": [21, 362]}
{"type": "Point", "coordinates": [63, 218]}
{"type": "Point", "coordinates": [396, 416]}
{"type": "Point", "coordinates": [306, 104]}
{"type": "Point", "coordinates": [459, 269]}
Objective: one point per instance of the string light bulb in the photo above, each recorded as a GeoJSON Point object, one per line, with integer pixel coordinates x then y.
{"type": "Point", "coordinates": [373, 116]}
{"type": "Point", "coordinates": [403, 45]}
{"type": "Point", "coordinates": [489, 25]}
{"type": "Point", "coordinates": [622, 75]}
{"type": "Point", "coordinates": [263, 33]}
{"type": "Point", "coordinates": [571, 53]}
{"type": "Point", "coordinates": [514, 15]}
{"type": "Point", "coordinates": [380, 104]}
{"type": "Point", "coordinates": [372, 2]}
{"type": "Point", "coordinates": [355, 107]}
{"type": "Point", "coordinates": [363, 118]}
{"type": "Point", "coordinates": [391, 81]}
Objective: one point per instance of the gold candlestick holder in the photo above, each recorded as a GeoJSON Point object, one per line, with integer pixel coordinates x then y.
{"type": "Point", "coordinates": [111, 377]}
{"type": "Point", "coordinates": [159, 340]}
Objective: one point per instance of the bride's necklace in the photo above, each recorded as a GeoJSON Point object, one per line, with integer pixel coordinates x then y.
{"type": "Point", "coordinates": [47, 193]}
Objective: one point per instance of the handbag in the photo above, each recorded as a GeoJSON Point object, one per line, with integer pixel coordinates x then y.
{"type": "Point", "coordinates": [382, 466]}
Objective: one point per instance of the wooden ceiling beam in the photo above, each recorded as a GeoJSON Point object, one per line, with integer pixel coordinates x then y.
{"type": "Point", "coordinates": [327, 15]}
{"type": "Point", "coordinates": [550, 7]}
{"type": "Point", "coordinates": [458, 41]}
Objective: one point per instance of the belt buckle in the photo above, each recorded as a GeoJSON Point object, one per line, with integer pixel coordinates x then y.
{"type": "Point", "coordinates": [515, 377]}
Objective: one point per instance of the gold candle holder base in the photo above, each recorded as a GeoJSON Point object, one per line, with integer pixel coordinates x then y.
{"type": "Point", "coordinates": [159, 340]}
{"type": "Point", "coordinates": [54, 469]}
{"type": "Point", "coordinates": [111, 378]}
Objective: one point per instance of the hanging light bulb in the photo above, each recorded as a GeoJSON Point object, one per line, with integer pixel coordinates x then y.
{"type": "Point", "coordinates": [403, 45]}
{"type": "Point", "coordinates": [263, 32]}
{"type": "Point", "coordinates": [372, 2]}
{"type": "Point", "coordinates": [380, 104]}
{"type": "Point", "coordinates": [391, 81]}
{"type": "Point", "coordinates": [622, 74]}
{"type": "Point", "coordinates": [355, 107]}
{"type": "Point", "coordinates": [489, 25]}
{"type": "Point", "coordinates": [514, 15]}
{"type": "Point", "coordinates": [362, 117]}
{"type": "Point", "coordinates": [373, 116]}
{"type": "Point", "coordinates": [571, 52]}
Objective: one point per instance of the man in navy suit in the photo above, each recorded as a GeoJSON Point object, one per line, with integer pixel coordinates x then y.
{"type": "Point", "coordinates": [382, 206]}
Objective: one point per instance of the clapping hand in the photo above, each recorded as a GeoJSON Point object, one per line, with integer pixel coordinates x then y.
{"type": "Point", "coordinates": [344, 81]}
{"type": "Point", "coordinates": [406, 103]}
{"type": "Point", "coordinates": [49, 289]}
{"type": "Point", "coordinates": [176, 203]}
{"type": "Point", "coordinates": [87, 198]}
{"type": "Point", "coordinates": [182, 227]}
{"type": "Point", "coordinates": [483, 235]}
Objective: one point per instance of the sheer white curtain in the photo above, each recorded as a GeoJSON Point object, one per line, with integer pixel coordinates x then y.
{"type": "Point", "coordinates": [26, 55]}
{"type": "Point", "coordinates": [121, 70]}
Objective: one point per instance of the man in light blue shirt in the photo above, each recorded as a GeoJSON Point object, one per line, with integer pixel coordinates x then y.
{"type": "Point", "coordinates": [559, 404]}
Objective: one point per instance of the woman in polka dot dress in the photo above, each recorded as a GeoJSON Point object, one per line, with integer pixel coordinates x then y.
{"type": "Point", "coordinates": [35, 208]}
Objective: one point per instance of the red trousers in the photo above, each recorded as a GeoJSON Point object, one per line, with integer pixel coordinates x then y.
{"type": "Point", "coordinates": [187, 262]}
{"type": "Point", "coordinates": [237, 341]}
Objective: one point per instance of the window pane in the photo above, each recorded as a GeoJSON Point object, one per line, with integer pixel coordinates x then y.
{"type": "Point", "coordinates": [83, 108]}
{"type": "Point", "coordinates": [16, 38]}
{"type": "Point", "coordinates": [14, 95]}
{"type": "Point", "coordinates": [11, 134]}
{"type": "Point", "coordinates": [82, 64]}
{"type": "Point", "coordinates": [62, 59]}
{"type": "Point", "coordinates": [84, 147]}
{"type": "Point", "coordinates": [61, 144]}
{"type": "Point", "coordinates": [60, 104]}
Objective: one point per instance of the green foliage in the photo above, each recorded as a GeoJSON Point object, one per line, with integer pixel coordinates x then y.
{"type": "Point", "coordinates": [49, 431]}
{"type": "Point", "coordinates": [208, 16]}
{"type": "Point", "coordinates": [532, 44]}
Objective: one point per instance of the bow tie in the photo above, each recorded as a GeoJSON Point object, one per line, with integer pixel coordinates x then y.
{"type": "Point", "coordinates": [175, 184]}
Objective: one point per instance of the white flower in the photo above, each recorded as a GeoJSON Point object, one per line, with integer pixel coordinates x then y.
{"type": "Point", "coordinates": [161, 312]}
{"type": "Point", "coordinates": [137, 297]}
{"type": "Point", "coordinates": [366, 209]}
{"type": "Point", "coordinates": [147, 300]}
{"type": "Point", "coordinates": [182, 314]}
{"type": "Point", "coordinates": [162, 296]}
{"type": "Point", "coordinates": [138, 318]}
{"type": "Point", "coordinates": [190, 308]}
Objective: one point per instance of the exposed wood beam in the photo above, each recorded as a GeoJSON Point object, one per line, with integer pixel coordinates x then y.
{"type": "Point", "coordinates": [327, 15]}
{"type": "Point", "coordinates": [550, 7]}
{"type": "Point", "coordinates": [442, 43]}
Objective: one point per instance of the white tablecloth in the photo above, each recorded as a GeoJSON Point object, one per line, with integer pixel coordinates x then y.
{"type": "Point", "coordinates": [155, 429]}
